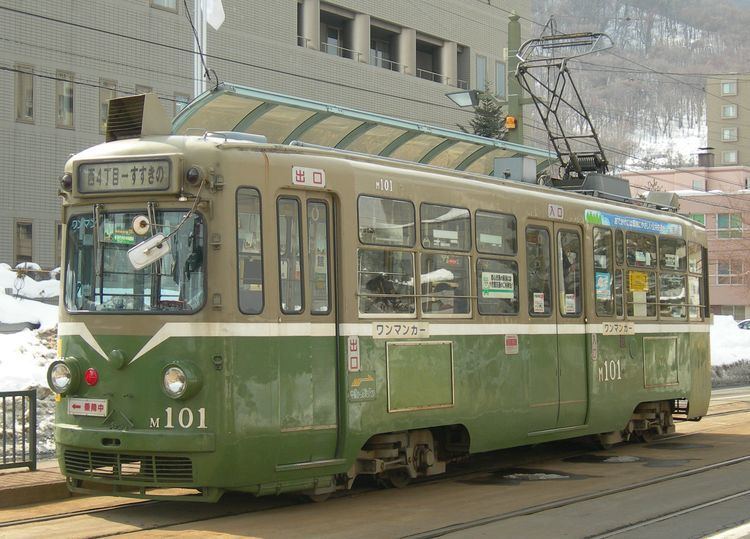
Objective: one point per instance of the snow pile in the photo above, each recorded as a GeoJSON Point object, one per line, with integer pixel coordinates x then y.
{"type": "Point", "coordinates": [729, 343]}
{"type": "Point", "coordinates": [17, 310]}
{"type": "Point", "coordinates": [25, 286]}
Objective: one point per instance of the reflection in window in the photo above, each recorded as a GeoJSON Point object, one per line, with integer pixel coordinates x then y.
{"type": "Point", "coordinates": [496, 233]}
{"type": "Point", "coordinates": [249, 251]}
{"type": "Point", "coordinates": [569, 257]}
{"type": "Point", "coordinates": [384, 221]}
{"type": "Point", "coordinates": [317, 249]}
{"type": "Point", "coordinates": [640, 250]}
{"type": "Point", "coordinates": [695, 297]}
{"type": "Point", "coordinates": [729, 225]}
{"type": "Point", "coordinates": [386, 282]}
{"type": "Point", "coordinates": [672, 254]}
{"type": "Point", "coordinates": [641, 293]}
{"type": "Point", "coordinates": [539, 271]}
{"type": "Point", "coordinates": [290, 258]}
{"type": "Point", "coordinates": [695, 258]}
{"type": "Point", "coordinates": [443, 227]}
{"type": "Point", "coordinates": [672, 295]}
{"type": "Point", "coordinates": [497, 283]}
{"type": "Point", "coordinates": [445, 284]}
{"type": "Point", "coordinates": [100, 277]}
{"type": "Point", "coordinates": [603, 280]}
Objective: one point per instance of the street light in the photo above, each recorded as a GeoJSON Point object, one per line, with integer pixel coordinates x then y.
{"type": "Point", "coordinates": [464, 98]}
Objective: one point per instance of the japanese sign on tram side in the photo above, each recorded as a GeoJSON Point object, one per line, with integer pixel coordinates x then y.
{"type": "Point", "coordinates": [497, 285]}
{"type": "Point", "coordinates": [119, 176]}
{"type": "Point", "coordinates": [353, 361]}
{"type": "Point", "coordinates": [596, 217]}
{"type": "Point", "coordinates": [308, 177]}
{"type": "Point", "coordinates": [400, 330]}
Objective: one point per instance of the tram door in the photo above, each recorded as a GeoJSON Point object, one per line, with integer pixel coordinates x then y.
{"type": "Point", "coordinates": [557, 365]}
{"type": "Point", "coordinates": [307, 359]}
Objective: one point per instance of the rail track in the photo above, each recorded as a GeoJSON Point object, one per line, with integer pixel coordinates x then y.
{"type": "Point", "coordinates": [236, 504]}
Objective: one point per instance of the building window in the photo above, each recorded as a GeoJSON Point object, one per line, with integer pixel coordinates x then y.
{"type": "Point", "coordinates": [23, 245]}
{"type": "Point", "coordinates": [382, 49]}
{"type": "Point", "coordinates": [24, 93]}
{"type": "Point", "coordinates": [58, 244]}
{"type": "Point", "coordinates": [698, 217]}
{"type": "Point", "coordinates": [729, 111]}
{"type": "Point", "coordinates": [481, 73]}
{"type": "Point", "coordinates": [169, 5]}
{"type": "Point", "coordinates": [729, 225]}
{"type": "Point", "coordinates": [107, 91]}
{"type": "Point", "coordinates": [335, 35]}
{"type": "Point", "coordinates": [64, 99]}
{"type": "Point", "coordinates": [143, 89]}
{"type": "Point", "coordinates": [729, 87]}
{"type": "Point", "coordinates": [728, 134]}
{"type": "Point", "coordinates": [729, 272]}
{"type": "Point", "coordinates": [500, 80]}
{"type": "Point", "coordinates": [729, 157]}
{"type": "Point", "coordinates": [180, 102]}
{"type": "Point", "coordinates": [428, 61]}
{"type": "Point", "coordinates": [699, 184]}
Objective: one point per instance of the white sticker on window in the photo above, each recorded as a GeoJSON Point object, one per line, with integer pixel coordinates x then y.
{"type": "Point", "coordinates": [497, 285]}
{"type": "Point", "coordinates": [538, 302]}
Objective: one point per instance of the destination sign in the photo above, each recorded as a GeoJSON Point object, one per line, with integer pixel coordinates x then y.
{"type": "Point", "coordinates": [637, 224]}
{"type": "Point", "coordinates": [124, 176]}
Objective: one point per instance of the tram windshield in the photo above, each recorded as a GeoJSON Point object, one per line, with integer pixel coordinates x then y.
{"type": "Point", "coordinates": [99, 276]}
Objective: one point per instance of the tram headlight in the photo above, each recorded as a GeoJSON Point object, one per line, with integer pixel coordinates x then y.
{"type": "Point", "coordinates": [180, 380]}
{"type": "Point", "coordinates": [63, 376]}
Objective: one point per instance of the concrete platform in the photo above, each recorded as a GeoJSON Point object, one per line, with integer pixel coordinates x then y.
{"type": "Point", "coordinates": [20, 486]}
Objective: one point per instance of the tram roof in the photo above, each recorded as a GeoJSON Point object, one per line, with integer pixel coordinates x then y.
{"type": "Point", "coordinates": [283, 119]}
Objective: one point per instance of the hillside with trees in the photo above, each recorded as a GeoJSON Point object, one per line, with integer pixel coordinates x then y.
{"type": "Point", "coordinates": [650, 87]}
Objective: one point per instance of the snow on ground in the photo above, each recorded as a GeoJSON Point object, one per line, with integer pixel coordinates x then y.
{"type": "Point", "coordinates": [729, 343]}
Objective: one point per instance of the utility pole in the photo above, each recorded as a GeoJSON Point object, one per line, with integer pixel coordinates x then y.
{"type": "Point", "coordinates": [515, 101]}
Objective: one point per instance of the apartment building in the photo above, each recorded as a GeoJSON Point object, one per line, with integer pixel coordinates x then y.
{"type": "Point", "coordinates": [719, 198]}
{"type": "Point", "coordinates": [61, 61]}
{"type": "Point", "coordinates": [728, 118]}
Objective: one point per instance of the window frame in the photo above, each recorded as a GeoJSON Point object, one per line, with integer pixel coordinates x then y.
{"type": "Point", "coordinates": [422, 296]}
{"type": "Point", "coordinates": [157, 5]}
{"type": "Point", "coordinates": [106, 86]}
{"type": "Point", "coordinates": [729, 134]}
{"type": "Point", "coordinates": [501, 80]}
{"type": "Point", "coordinates": [729, 111]}
{"type": "Point", "coordinates": [733, 86]}
{"type": "Point", "coordinates": [729, 229]}
{"type": "Point", "coordinates": [610, 269]}
{"type": "Point", "coordinates": [516, 285]}
{"type": "Point", "coordinates": [551, 277]}
{"type": "Point", "coordinates": [24, 76]}
{"type": "Point", "coordinates": [467, 249]}
{"type": "Point", "coordinates": [62, 80]}
{"type": "Point", "coordinates": [495, 214]}
{"type": "Point", "coordinates": [329, 258]}
{"type": "Point", "coordinates": [415, 297]}
{"type": "Point", "coordinates": [237, 251]}
{"type": "Point", "coordinates": [730, 157]}
{"type": "Point", "coordinates": [300, 238]}
{"type": "Point", "coordinates": [561, 289]}
{"type": "Point", "coordinates": [414, 213]}
{"type": "Point", "coordinates": [480, 58]}
{"type": "Point", "coordinates": [16, 239]}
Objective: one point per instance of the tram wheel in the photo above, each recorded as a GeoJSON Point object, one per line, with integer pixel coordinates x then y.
{"type": "Point", "coordinates": [318, 498]}
{"type": "Point", "coordinates": [398, 478]}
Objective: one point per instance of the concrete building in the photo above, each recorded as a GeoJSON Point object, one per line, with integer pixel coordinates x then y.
{"type": "Point", "coordinates": [60, 62]}
{"type": "Point", "coordinates": [718, 197]}
{"type": "Point", "coordinates": [728, 118]}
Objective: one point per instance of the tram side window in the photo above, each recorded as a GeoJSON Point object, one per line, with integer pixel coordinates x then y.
{"type": "Point", "coordinates": [603, 276]}
{"type": "Point", "coordinates": [695, 282]}
{"type": "Point", "coordinates": [385, 221]}
{"type": "Point", "coordinates": [496, 233]}
{"type": "Point", "coordinates": [445, 228]}
{"type": "Point", "coordinates": [249, 251]}
{"type": "Point", "coordinates": [640, 250]}
{"type": "Point", "coordinates": [290, 259]}
{"type": "Point", "coordinates": [569, 271]}
{"type": "Point", "coordinates": [539, 271]}
{"type": "Point", "coordinates": [619, 247]}
{"type": "Point", "coordinates": [641, 296]}
{"type": "Point", "coordinates": [497, 281]}
{"type": "Point", "coordinates": [672, 254]}
{"type": "Point", "coordinates": [317, 249]}
{"type": "Point", "coordinates": [618, 293]}
{"type": "Point", "coordinates": [386, 282]}
{"type": "Point", "coordinates": [672, 298]}
{"type": "Point", "coordinates": [445, 284]}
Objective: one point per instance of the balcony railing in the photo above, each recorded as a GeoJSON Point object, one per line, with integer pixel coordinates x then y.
{"type": "Point", "coordinates": [302, 41]}
{"type": "Point", "coordinates": [464, 85]}
{"type": "Point", "coordinates": [335, 50]}
{"type": "Point", "coordinates": [429, 75]}
{"type": "Point", "coordinates": [386, 64]}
